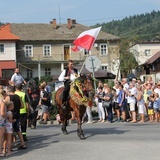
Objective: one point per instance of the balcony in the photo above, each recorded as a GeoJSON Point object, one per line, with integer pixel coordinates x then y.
{"type": "Point", "coordinates": [55, 57]}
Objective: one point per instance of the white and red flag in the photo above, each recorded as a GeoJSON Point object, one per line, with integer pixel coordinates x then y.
{"type": "Point", "coordinates": [86, 39]}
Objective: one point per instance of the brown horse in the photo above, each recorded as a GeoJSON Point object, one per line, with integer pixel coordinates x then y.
{"type": "Point", "coordinates": [74, 103]}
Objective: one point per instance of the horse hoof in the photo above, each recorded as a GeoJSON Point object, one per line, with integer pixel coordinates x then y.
{"type": "Point", "coordinates": [82, 137]}
{"type": "Point", "coordinates": [65, 132]}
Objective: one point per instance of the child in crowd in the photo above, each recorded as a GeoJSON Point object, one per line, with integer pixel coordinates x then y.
{"type": "Point", "coordinates": [150, 108]}
{"type": "Point", "coordinates": [156, 106]}
{"type": "Point", "coordinates": [9, 130]}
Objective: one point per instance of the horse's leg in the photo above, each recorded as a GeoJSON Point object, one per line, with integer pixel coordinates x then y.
{"type": "Point", "coordinates": [64, 117]}
{"type": "Point", "coordinates": [80, 132]}
{"type": "Point", "coordinates": [79, 114]}
{"type": "Point", "coordinates": [64, 130]}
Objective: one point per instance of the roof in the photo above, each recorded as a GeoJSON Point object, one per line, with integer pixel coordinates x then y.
{"type": "Point", "coordinates": [34, 32]}
{"type": "Point", "coordinates": [153, 58]}
{"type": "Point", "coordinates": [5, 33]}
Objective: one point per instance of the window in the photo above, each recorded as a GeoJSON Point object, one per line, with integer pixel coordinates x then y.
{"type": "Point", "coordinates": [47, 50]}
{"type": "Point", "coordinates": [104, 67]}
{"type": "Point", "coordinates": [29, 73]}
{"type": "Point", "coordinates": [147, 52]}
{"type": "Point", "coordinates": [1, 48]}
{"type": "Point", "coordinates": [47, 71]}
{"type": "Point", "coordinates": [28, 50]}
{"type": "Point", "coordinates": [103, 49]}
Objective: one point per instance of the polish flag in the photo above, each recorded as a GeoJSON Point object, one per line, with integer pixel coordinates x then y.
{"type": "Point", "coordinates": [86, 39]}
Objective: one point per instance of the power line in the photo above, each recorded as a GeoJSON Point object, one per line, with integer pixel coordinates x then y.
{"type": "Point", "coordinates": [98, 19]}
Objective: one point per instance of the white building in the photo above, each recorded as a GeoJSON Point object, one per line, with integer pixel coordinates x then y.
{"type": "Point", "coordinates": [144, 51]}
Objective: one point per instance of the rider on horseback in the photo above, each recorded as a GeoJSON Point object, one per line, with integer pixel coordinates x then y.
{"type": "Point", "coordinates": [68, 75]}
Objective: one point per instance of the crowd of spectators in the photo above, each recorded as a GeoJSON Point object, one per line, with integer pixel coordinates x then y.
{"type": "Point", "coordinates": [129, 101]}
{"type": "Point", "coordinates": [18, 110]}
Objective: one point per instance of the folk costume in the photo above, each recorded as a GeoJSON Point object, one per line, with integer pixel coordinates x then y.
{"type": "Point", "coordinates": [67, 72]}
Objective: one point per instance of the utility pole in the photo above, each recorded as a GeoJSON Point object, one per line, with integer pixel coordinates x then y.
{"type": "Point", "coordinates": [39, 68]}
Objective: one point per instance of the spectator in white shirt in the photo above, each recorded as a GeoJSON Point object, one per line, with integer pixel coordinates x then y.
{"type": "Point", "coordinates": [132, 100]}
{"type": "Point", "coordinates": [157, 89]}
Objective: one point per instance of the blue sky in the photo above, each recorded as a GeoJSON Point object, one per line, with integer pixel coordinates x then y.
{"type": "Point", "coordinates": [87, 12]}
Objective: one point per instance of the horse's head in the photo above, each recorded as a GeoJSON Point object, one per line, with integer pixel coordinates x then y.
{"type": "Point", "coordinates": [82, 90]}
{"type": "Point", "coordinates": [88, 83]}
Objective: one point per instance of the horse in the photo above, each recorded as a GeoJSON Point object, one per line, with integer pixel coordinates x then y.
{"type": "Point", "coordinates": [80, 96]}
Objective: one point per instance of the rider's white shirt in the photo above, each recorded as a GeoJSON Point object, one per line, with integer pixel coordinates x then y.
{"type": "Point", "coordinates": [62, 75]}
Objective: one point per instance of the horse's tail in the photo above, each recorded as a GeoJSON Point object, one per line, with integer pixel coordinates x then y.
{"type": "Point", "coordinates": [57, 96]}
{"type": "Point", "coordinates": [54, 98]}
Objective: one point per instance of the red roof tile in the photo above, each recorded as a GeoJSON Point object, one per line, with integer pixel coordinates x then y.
{"type": "Point", "coordinates": [5, 33]}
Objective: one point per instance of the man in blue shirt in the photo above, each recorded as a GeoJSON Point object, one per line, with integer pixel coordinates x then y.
{"type": "Point", "coordinates": [16, 78]}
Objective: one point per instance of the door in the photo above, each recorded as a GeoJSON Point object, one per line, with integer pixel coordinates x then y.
{"type": "Point", "coordinates": [66, 52]}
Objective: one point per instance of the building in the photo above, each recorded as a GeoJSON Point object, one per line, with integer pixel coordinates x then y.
{"type": "Point", "coordinates": [7, 53]}
{"type": "Point", "coordinates": [152, 68]}
{"type": "Point", "coordinates": [144, 51]}
{"type": "Point", "coordinates": [44, 49]}
{"type": "Point", "coordinates": [147, 55]}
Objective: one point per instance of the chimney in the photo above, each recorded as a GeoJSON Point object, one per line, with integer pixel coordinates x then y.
{"type": "Point", "coordinates": [69, 23]}
{"type": "Point", "coordinates": [73, 21]}
{"type": "Point", "coordinates": [54, 23]}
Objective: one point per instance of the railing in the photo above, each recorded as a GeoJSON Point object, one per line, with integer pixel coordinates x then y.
{"type": "Point", "coordinates": [55, 57]}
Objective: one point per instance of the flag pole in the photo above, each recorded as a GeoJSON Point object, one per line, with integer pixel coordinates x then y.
{"type": "Point", "coordinates": [82, 67]}
{"type": "Point", "coordinates": [84, 63]}
{"type": "Point", "coordinates": [92, 69]}
{"type": "Point", "coordinates": [93, 72]}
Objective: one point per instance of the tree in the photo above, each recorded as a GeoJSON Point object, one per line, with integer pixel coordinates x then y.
{"type": "Point", "coordinates": [127, 59]}
{"type": "Point", "coordinates": [143, 26]}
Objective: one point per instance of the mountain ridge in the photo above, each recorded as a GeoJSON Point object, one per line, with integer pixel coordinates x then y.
{"type": "Point", "coordinates": [143, 27]}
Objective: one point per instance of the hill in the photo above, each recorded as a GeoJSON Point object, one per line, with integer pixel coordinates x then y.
{"type": "Point", "coordinates": [143, 27]}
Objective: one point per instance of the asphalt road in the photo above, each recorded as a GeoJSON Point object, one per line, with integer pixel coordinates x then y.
{"type": "Point", "coordinates": [103, 141]}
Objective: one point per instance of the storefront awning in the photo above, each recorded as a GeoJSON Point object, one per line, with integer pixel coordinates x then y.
{"type": "Point", "coordinates": [7, 64]}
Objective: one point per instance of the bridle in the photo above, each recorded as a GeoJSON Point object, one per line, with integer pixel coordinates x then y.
{"type": "Point", "coordinates": [88, 85]}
